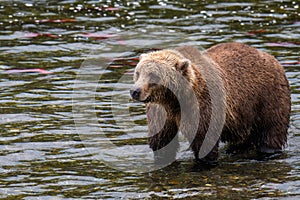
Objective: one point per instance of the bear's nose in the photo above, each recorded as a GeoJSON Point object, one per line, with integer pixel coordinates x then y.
{"type": "Point", "coordinates": [135, 93]}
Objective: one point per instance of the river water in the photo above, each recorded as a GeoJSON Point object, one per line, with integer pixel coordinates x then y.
{"type": "Point", "coordinates": [68, 127]}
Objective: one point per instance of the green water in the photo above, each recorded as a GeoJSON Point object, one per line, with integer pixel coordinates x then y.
{"type": "Point", "coordinates": [55, 127]}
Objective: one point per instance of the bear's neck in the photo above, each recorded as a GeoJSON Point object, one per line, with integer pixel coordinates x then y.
{"type": "Point", "coordinates": [198, 83]}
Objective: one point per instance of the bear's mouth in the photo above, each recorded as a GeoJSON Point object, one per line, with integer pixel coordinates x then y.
{"type": "Point", "coordinates": [147, 100]}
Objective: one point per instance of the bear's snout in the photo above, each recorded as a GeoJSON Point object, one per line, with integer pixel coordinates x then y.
{"type": "Point", "coordinates": [135, 93]}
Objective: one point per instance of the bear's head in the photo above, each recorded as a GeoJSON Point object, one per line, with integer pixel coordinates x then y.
{"type": "Point", "coordinates": [158, 74]}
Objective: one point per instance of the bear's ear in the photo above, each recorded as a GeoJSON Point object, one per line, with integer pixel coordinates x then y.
{"type": "Point", "coordinates": [143, 55]}
{"type": "Point", "coordinates": [183, 64]}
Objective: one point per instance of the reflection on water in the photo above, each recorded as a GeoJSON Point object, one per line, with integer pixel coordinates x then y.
{"type": "Point", "coordinates": [51, 144]}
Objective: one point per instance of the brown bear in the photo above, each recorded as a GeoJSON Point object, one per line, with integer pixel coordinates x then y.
{"type": "Point", "coordinates": [237, 87]}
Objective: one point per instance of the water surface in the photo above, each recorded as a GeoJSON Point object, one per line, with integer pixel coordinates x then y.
{"type": "Point", "coordinates": [55, 123]}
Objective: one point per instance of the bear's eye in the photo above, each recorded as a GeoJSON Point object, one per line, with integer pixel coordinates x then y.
{"type": "Point", "coordinates": [137, 75]}
{"type": "Point", "coordinates": [154, 79]}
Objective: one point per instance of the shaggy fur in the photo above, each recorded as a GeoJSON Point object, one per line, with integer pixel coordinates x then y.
{"type": "Point", "coordinates": [257, 98]}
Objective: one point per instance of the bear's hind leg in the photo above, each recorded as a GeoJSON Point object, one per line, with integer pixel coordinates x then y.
{"type": "Point", "coordinates": [274, 116]}
{"type": "Point", "coordinates": [272, 139]}
{"type": "Point", "coordinates": [272, 133]}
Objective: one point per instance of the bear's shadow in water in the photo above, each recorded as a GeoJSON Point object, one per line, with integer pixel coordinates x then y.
{"type": "Point", "coordinates": [200, 165]}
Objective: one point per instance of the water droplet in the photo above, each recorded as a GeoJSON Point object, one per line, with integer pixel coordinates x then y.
{"type": "Point", "coordinates": [131, 13]}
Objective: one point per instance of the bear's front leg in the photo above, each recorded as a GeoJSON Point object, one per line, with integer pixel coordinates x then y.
{"type": "Point", "coordinates": [163, 138]}
{"type": "Point", "coordinates": [211, 159]}
{"type": "Point", "coordinates": [165, 144]}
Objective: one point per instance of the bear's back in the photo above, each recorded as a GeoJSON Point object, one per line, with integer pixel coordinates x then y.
{"type": "Point", "coordinates": [245, 68]}
{"type": "Point", "coordinates": [254, 82]}
{"type": "Point", "coordinates": [248, 70]}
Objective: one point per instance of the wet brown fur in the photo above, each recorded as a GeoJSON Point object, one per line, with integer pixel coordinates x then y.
{"type": "Point", "coordinates": [256, 89]}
